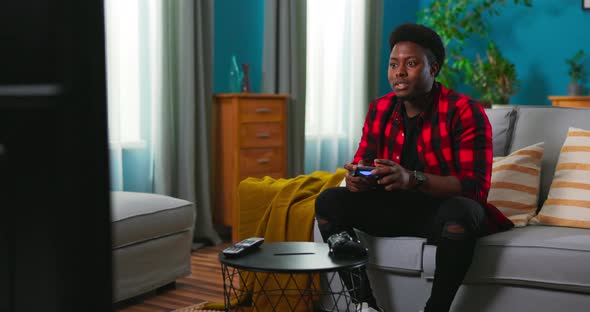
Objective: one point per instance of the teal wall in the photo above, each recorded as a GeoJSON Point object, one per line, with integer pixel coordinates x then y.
{"type": "Point", "coordinates": [537, 40]}
{"type": "Point", "coordinates": [239, 31]}
{"type": "Point", "coordinates": [395, 13]}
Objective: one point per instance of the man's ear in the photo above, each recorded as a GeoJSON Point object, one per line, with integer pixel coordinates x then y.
{"type": "Point", "coordinates": [434, 68]}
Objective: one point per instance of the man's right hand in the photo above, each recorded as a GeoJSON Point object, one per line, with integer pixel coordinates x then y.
{"type": "Point", "coordinates": [356, 184]}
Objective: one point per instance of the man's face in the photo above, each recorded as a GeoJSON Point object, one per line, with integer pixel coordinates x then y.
{"type": "Point", "coordinates": [410, 74]}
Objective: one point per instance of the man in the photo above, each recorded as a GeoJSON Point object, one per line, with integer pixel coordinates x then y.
{"type": "Point", "coordinates": [432, 149]}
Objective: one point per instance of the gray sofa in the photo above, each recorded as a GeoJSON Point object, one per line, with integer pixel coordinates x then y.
{"type": "Point", "coordinates": [151, 239]}
{"type": "Point", "coordinates": [533, 268]}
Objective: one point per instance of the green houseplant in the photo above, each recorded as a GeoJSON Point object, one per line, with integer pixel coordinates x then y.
{"type": "Point", "coordinates": [494, 78]}
{"type": "Point", "coordinates": [457, 21]}
{"type": "Point", "coordinates": [576, 73]}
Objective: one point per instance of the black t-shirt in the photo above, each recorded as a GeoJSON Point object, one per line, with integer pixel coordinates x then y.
{"type": "Point", "coordinates": [409, 157]}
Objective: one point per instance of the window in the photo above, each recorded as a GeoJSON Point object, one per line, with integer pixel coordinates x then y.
{"type": "Point", "coordinates": [336, 82]}
{"type": "Point", "coordinates": [122, 20]}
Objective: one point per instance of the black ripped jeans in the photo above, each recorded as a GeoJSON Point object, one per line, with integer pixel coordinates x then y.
{"type": "Point", "coordinates": [406, 213]}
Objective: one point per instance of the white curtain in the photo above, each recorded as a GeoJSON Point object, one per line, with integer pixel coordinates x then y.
{"type": "Point", "coordinates": [340, 78]}
{"type": "Point", "coordinates": [127, 113]}
{"type": "Point", "coordinates": [283, 70]}
{"type": "Point", "coordinates": [157, 116]}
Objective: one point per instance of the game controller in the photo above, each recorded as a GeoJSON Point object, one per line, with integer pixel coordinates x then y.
{"type": "Point", "coordinates": [342, 245]}
{"type": "Point", "coordinates": [364, 171]}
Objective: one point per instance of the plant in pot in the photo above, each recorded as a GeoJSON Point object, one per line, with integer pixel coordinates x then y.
{"type": "Point", "coordinates": [457, 21]}
{"type": "Point", "coordinates": [576, 73]}
{"type": "Point", "coordinates": [493, 78]}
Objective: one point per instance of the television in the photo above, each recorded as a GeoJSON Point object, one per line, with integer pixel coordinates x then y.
{"type": "Point", "coordinates": [55, 237]}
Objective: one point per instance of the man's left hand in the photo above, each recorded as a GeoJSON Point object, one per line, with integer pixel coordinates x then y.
{"type": "Point", "coordinates": [392, 175]}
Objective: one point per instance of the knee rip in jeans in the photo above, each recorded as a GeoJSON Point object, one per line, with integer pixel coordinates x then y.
{"type": "Point", "coordinates": [454, 231]}
{"type": "Point", "coordinates": [324, 225]}
{"type": "Point", "coordinates": [327, 227]}
{"type": "Point", "coordinates": [322, 221]}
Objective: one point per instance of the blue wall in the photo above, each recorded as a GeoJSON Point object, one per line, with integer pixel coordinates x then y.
{"type": "Point", "coordinates": [239, 31]}
{"type": "Point", "coordinates": [536, 39]}
{"type": "Point", "coordinates": [395, 13]}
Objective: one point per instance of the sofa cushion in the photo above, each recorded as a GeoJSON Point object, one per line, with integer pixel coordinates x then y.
{"type": "Point", "coordinates": [569, 197]}
{"type": "Point", "coordinates": [401, 254]}
{"type": "Point", "coordinates": [515, 180]}
{"type": "Point", "coordinates": [502, 121]}
{"type": "Point", "coordinates": [532, 126]}
{"type": "Point", "coordinates": [542, 256]}
{"type": "Point", "coordinates": [138, 217]}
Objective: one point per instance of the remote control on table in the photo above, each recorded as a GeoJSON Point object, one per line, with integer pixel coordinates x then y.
{"type": "Point", "coordinates": [233, 251]}
{"type": "Point", "coordinates": [243, 246]}
{"type": "Point", "coordinates": [251, 242]}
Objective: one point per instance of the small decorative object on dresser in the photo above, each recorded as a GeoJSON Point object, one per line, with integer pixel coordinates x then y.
{"type": "Point", "coordinates": [576, 72]}
{"type": "Point", "coordinates": [249, 140]}
{"type": "Point", "coordinates": [235, 76]}
{"type": "Point", "coordinates": [570, 101]}
{"type": "Point", "coordinates": [246, 78]}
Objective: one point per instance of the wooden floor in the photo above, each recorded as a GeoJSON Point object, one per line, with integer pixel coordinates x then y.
{"type": "Point", "coordinates": [204, 284]}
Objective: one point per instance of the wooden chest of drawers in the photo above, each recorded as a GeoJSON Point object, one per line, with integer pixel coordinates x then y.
{"type": "Point", "coordinates": [570, 101]}
{"type": "Point", "coordinates": [249, 140]}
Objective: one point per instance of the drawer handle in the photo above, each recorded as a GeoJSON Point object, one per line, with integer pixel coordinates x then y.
{"type": "Point", "coordinates": [263, 160]}
{"type": "Point", "coordinates": [263, 135]}
{"type": "Point", "coordinates": [263, 110]}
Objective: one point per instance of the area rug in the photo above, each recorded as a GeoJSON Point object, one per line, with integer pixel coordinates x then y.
{"type": "Point", "coordinates": [195, 308]}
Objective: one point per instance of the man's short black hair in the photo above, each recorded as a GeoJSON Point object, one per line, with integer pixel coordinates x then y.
{"type": "Point", "coordinates": [423, 36]}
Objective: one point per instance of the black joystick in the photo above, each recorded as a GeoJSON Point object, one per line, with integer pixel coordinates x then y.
{"type": "Point", "coordinates": [342, 245]}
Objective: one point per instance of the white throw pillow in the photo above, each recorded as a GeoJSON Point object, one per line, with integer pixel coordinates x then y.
{"type": "Point", "coordinates": [568, 202]}
{"type": "Point", "coordinates": [515, 183]}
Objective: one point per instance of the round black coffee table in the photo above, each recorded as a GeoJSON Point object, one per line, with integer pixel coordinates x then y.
{"type": "Point", "coordinates": [290, 276]}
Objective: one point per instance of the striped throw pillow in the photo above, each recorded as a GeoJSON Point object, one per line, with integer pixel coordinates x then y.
{"type": "Point", "coordinates": [515, 183]}
{"type": "Point", "coordinates": [568, 202]}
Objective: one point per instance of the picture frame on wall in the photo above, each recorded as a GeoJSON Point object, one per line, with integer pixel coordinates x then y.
{"type": "Point", "coordinates": [585, 4]}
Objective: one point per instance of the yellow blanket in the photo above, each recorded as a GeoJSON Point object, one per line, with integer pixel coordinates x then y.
{"type": "Point", "coordinates": [288, 217]}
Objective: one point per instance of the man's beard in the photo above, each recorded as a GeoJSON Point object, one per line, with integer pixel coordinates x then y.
{"type": "Point", "coordinates": [408, 98]}
{"type": "Point", "coordinates": [415, 97]}
{"type": "Point", "coordinates": [420, 98]}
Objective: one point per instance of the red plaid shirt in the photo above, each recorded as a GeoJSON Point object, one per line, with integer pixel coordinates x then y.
{"type": "Point", "coordinates": [455, 139]}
